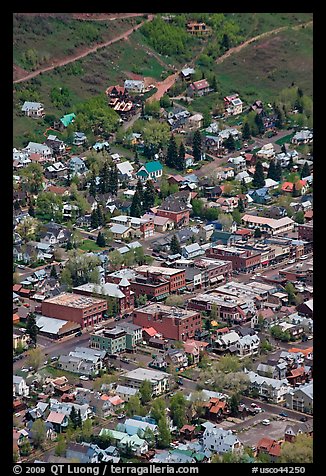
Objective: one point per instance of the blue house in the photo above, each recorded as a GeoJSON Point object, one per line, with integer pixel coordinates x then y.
{"type": "Point", "coordinates": [77, 166]}
{"type": "Point", "coordinates": [261, 195]}
{"type": "Point", "coordinates": [151, 170]}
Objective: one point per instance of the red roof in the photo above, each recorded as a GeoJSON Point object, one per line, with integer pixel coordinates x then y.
{"type": "Point", "coordinates": [187, 428]}
{"type": "Point", "coordinates": [265, 443]}
{"type": "Point", "coordinates": [202, 84]}
{"type": "Point", "coordinates": [17, 287]}
{"type": "Point", "coordinates": [150, 331]}
{"type": "Point", "coordinates": [15, 318]}
{"type": "Point", "coordinates": [57, 189]}
{"type": "Point", "coordinates": [55, 417]}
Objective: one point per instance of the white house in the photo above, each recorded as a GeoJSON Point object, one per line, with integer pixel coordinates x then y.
{"type": "Point", "coordinates": [125, 170]}
{"type": "Point", "coordinates": [219, 440]}
{"type": "Point", "coordinates": [19, 387]}
{"type": "Point", "coordinates": [238, 163]}
{"type": "Point", "coordinates": [248, 345]}
{"type": "Point", "coordinates": [193, 250]}
{"type": "Point", "coordinates": [275, 390]}
{"type": "Point", "coordinates": [134, 86]}
{"type": "Point", "coordinates": [33, 109]}
{"type": "Point", "coordinates": [303, 137]}
{"type": "Point", "coordinates": [35, 148]}
{"type": "Point", "coordinates": [266, 152]}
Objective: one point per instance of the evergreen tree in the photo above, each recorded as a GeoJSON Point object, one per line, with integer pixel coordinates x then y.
{"type": "Point", "coordinates": [31, 211]}
{"type": "Point", "coordinates": [113, 180]}
{"type": "Point", "coordinates": [258, 178]}
{"type": "Point", "coordinates": [100, 241]}
{"type": "Point", "coordinates": [164, 434]}
{"type": "Point", "coordinates": [271, 170]}
{"type": "Point", "coordinates": [300, 93]}
{"type": "Point", "coordinates": [53, 273]}
{"type": "Point", "coordinates": [140, 190]}
{"type": "Point", "coordinates": [244, 186]}
{"type": "Point", "coordinates": [197, 146]}
{"type": "Point", "coordinates": [225, 42]}
{"type": "Point", "coordinates": [79, 421]}
{"type": "Point", "coordinates": [181, 162]}
{"type": "Point", "coordinates": [278, 172]}
{"type": "Point", "coordinates": [283, 148]}
{"type": "Point", "coordinates": [241, 207]}
{"type": "Point", "coordinates": [257, 233]}
{"type": "Point", "coordinates": [214, 83]}
{"type": "Point", "coordinates": [290, 164]}
{"type": "Point", "coordinates": [296, 191]}
{"type": "Point", "coordinates": [94, 219]}
{"type": "Point", "coordinates": [229, 143]}
{"type": "Point", "coordinates": [73, 417]}
{"type": "Point", "coordinates": [31, 327]}
{"type": "Point", "coordinates": [136, 206]}
{"type": "Point", "coordinates": [149, 195]}
{"type": "Point", "coordinates": [104, 178]}
{"type": "Point", "coordinates": [305, 172]}
{"type": "Point", "coordinates": [279, 117]}
{"type": "Point", "coordinates": [100, 215]}
{"type": "Point", "coordinates": [172, 153]}
{"type": "Point", "coordinates": [92, 185]}
{"type": "Point", "coordinates": [260, 124]}
{"type": "Point", "coordinates": [175, 247]}
{"type": "Point", "coordinates": [246, 131]}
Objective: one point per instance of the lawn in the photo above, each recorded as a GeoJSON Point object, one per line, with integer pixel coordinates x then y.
{"type": "Point", "coordinates": [285, 139]}
{"type": "Point", "coordinates": [90, 245]}
{"type": "Point", "coordinates": [51, 371]}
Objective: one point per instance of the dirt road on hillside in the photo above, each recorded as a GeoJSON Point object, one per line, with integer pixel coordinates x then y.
{"type": "Point", "coordinates": [238, 48]}
{"type": "Point", "coordinates": [84, 53]}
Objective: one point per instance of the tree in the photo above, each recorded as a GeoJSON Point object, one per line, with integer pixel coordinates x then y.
{"type": "Point", "coordinates": [113, 184]}
{"type": "Point", "coordinates": [260, 124]}
{"type": "Point", "coordinates": [234, 404]}
{"type": "Point", "coordinates": [299, 217]}
{"type": "Point", "coordinates": [175, 247]}
{"type": "Point", "coordinates": [49, 206]}
{"type": "Point", "coordinates": [38, 431]}
{"type": "Point", "coordinates": [197, 146]}
{"type": "Point", "coordinates": [172, 153]}
{"type": "Point", "coordinates": [100, 241]}
{"type": "Point", "coordinates": [257, 233]}
{"type": "Point", "coordinates": [305, 172]}
{"type": "Point", "coordinates": [226, 221]}
{"type": "Point", "coordinates": [53, 273]}
{"type": "Point", "coordinates": [175, 300]}
{"type": "Point", "coordinates": [271, 170]}
{"type": "Point", "coordinates": [291, 292]}
{"type": "Point", "coordinates": [214, 312]}
{"type": "Point", "coordinates": [149, 195]}
{"type": "Point", "coordinates": [236, 215]}
{"type": "Point", "coordinates": [145, 391]}
{"type": "Point", "coordinates": [244, 186]}
{"type": "Point", "coordinates": [74, 417]}
{"type": "Point", "coordinates": [158, 408]}
{"type": "Point", "coordinates": [31, 211]}
{"type": "Point", "coordinates": [33, 177]}
{"type": "Point", "coordinates": [115, 260]}
{"type": "Point", "coordinates": [181, 161]}
{"type": "Point", "coordinates": [35, 357]}
{"type": "Point", "coordinates": [290, 164]}
{"type": "Point", "coordinates": [265, 346]}
{"type": "Point", "coordinates": [61, 446]}
{"type": "Point", "coordinates": [229, 143]}
{"type": "Point", "coordinates": [104, 175]}
{"type": "Point", "coordinates": [164, 434]}
{"type": "Point", "coordinates": [283, 148]}
{"type": "Point", "coordinates": [214, 83]}
{"type": "Point", "coordinates": [136, 209]}
{"type": "Point", "coordinates": [278, 172]}
{"type": "Point", "coordinates": [246, 131]}
{"type": "Point", "coordinates": [134, 407]}
{"type": "Point", "coordinates": [296, 191]}
{"type": "Point", "coordinates": [31, 327]}
{"type": "Point", "coordinates": [149, 436]}
{"type": "Point", "coordinates": [225, 43]}
{"type": "Point", "coordinates": [26, 228]}
{"type": "Point", "coordinates": [79, 421]}
{"type": "Point", "coordinates": [178, 409]}
{"type": "Point", "coordinates": [92, 186]}
{"type": "Point", "coordinates": [300, 451]}
{"type": "Point", "coordinates": [228, 363]}
{"type": "Point", "coordinates": [241, 207]}
{"type": "Point", "coordinates": [258, 178]}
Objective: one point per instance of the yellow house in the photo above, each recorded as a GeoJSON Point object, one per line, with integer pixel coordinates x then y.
{"type": "Point", "coordinates": [19, 338]}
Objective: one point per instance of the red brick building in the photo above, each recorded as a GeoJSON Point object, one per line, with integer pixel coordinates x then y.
{"type": "Point", "coordinates": [158, 282]}
{"type": "Point", "coordinates": [176, 208]}
{"type": "Point", "coordinates": [305, 232]}
{"type": "Point", "coordinates": [171, 322]}
{"type": "Point", "coordinates": [241, 259]}
{"type": "Point", "coordinates": [85, 310]}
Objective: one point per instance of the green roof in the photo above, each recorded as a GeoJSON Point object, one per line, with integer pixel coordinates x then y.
{"type": "Point", "coordinates": [67, 119]}
{"type": "Point", "coordinates": [153, 166]}
{"type": "Point", "coordinates": [143, 173]}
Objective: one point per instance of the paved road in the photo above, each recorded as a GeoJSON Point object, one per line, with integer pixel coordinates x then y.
{"type": "Point", "coordinates": [275, 409]}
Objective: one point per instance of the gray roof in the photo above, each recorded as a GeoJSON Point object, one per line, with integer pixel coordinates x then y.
{"type": "Point", "coordinates": [31, 105]}
{"type": "Point", "coordinates": [107, 289]}
{"type": "Point", "coordinates": [124, 390]}
{"type": "Point", "coordinates": [119, 229]}
{"type": "Point", "coordinates": [49, 325]}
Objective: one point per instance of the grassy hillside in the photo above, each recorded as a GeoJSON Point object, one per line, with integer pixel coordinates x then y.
{"type": "Point", "coordinates": [38, 41]}
{"type": "Point", "coordinates": [267, 66]}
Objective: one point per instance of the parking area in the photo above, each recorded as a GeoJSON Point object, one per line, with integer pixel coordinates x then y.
{"type": "Point", "coordinates": [252, 435]}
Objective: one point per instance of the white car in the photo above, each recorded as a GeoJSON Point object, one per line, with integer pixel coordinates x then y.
{"type": "Point", "coordinates": [83, 377]}
{"type": "Point", "coordinates": [24, 370]}
{"type": "Point", "coordinates": [266, 422]}
{"type": "Point", "coordinates": [17, 414]}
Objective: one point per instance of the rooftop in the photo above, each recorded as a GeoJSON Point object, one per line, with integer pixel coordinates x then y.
{"type": "Point", "coordinates": [74, 300]}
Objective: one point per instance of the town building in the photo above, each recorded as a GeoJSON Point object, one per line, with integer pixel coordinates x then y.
{"type": "Point", "coordinates": [270, 225]}
{"type": "Point", "coordinates": [172, 322]}
{"type": "Point", "coordinates": [158, 282]}
{"type": "Point", "coordinates": [301, 398]}
{"type": "Point", "coordinates": [242, 260]}
{"type": "Point", "coordinates": [150, 171]}
{"type": "Point", "coordinates": [159, 380]}
{"type": "Point", "coordinates": [85, 310]}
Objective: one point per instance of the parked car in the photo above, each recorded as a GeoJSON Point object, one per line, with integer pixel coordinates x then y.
{"type": "Point", "coordinates": [78, 334]}
{"type": "Point", "coordinates": [121, 415]}
{"type": "Point", "coordinates": [266, 422]}
{"type": "Point", "coordinates": [304, 418]}
{"type": "Point", "coordinates": [83, 377]}
{"type": "Point", "coordinates": [80, 385]}
{"type": "Point", "coordinates": [283, 414]}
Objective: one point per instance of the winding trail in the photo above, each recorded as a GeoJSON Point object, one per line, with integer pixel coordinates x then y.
{"type": "Point", "coordinates": [86, 52]}
{"type": "Point", "coordinates": [238, 48]}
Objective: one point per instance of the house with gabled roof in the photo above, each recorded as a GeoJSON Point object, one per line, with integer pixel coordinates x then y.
{"type": "Point", "coordinates": [150, 171]}
{"type": "Point", "coordinates": [199, 88]}
{"type": "Point", "coordinates": [33, 109]}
